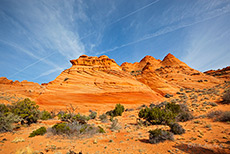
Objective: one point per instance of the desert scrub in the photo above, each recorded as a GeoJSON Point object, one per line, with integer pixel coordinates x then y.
{"type": "Point", "coordinates": [27, 110]}
{"type": "Point", "coordinates": [45, 115]}
{"type": "Point", "coordinates": [176, 128]}
{"type": "Point", "coordinates": [226, 97]}
{"type": "Point", "coordinates": [115, 125]}
{"type": "Point", "coordinates": [119, 109]}
{"type": "Point", "coordinates": [61, 128]}
{"type": "Point", "coordinates": [75, 129]}
{"type": "Point", "coordinates": [103, 118]}
{"type": "Point", "coordinates": [93, 115]}
{"type": "Point", "coordinates": [68, 117]}
{"type": "Point", "coordinates": [39, 131]}
{"type": "Point", "coordinates": [7, 120]}
{"type": "Point", "coordinates": [224, 117]}
{"type": "Point", "coordinates": [214, 114]}
{"type": "Point", "coordinates": [158, 135]}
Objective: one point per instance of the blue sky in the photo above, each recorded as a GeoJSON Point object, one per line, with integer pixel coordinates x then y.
{"type": "Point", "coordinates": [39, 37]}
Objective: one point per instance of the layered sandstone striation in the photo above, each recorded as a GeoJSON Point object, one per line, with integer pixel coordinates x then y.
{"type": "Point", "coordinates": [168, 75]}
{"type": "Point", "coordinates": [102, 80]}
{"type": "Point", "coordinates": [98, 80]}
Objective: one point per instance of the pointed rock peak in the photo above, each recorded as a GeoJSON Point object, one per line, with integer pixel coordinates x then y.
{"type": "Point", "coordinates": [169, 56]}
{"type": "Point", "coordinates": [148, 58]}
{"type": "Point", "coordinates": [171, 60]}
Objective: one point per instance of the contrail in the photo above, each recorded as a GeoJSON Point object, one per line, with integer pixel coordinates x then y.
{"type": "Point", "coordinates": [168, 30]}
{"type": "Point", "coordinates": [121, 18]}
{"type": "Point", "coordinates": [41, 59]}
{"type": "Point", "coordinates": [138, 10]}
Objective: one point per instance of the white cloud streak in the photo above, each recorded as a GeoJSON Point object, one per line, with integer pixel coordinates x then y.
{"type": "Point", "coordinates": [45, 28]}
{"type": "Point", "coordinates": [210, 15]}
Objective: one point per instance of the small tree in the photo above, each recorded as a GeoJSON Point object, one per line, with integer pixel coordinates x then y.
{"type": "Point", "coordinates": [26, 109]}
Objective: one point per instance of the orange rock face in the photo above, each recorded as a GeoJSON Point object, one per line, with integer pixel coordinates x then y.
{"type": "Point", "coordinates": [220, 73]}
{"type": "Point", "coordinates": [168, 75]}
{"type": "Point", "coordinates": [15, 90]}
{"type": "Point", "coordinates": [102, 80]}
{"type": "Point", "coordinates": [96, 80]}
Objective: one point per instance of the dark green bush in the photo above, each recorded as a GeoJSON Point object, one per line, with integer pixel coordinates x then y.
{"type": "Point", "coordinates": [157, 116]}
{"type": "Point", "coordinates": [39, 131]}
{"type": "Point", "coordinates": [175, 108]}
{"type": "Point", "coordinates": [119, 109]}
{"type": "Point", "coordinates": [61, 128]}
{"type": "Point", "coordinates": [26, 109]}
{"type": "Point", "coordinates": [45, 115]}
{"type": "Point", "coordinates": [176, 128]}
{"type": "Point", "coordinates": [158, 135]}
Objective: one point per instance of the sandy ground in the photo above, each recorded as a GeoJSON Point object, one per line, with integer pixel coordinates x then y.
{"type": "Point", "coordinates": [202, 135]}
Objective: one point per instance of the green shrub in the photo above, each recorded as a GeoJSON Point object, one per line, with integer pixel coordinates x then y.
{"type": "Point", "coordinates": [45, 115]}
{"type": "Point", "coordinates": [39, 131]}
{"type": "Point", "coordinates": [175, 108]}
{"type": "Point", "coordinates": [93, 115]}
{"type": "Point", "coordinates": [6, 121]}
{"type": "Point", "coordinates": [103, 118]}
{"type": "Point", "coordinates": [26, 109]}
{"type": "Point", "coordinates": [119, 109]}
{"type": "Point", "coordinates": [158, 135]}
{"type": "Point", "coordinates": [4, 109]}
{"type": "Point", "coordinates": [61, 128]}
{"type": "Point", "coordinates": [176, 128]}
{"type": "Point", "coordinates": [157, 116]}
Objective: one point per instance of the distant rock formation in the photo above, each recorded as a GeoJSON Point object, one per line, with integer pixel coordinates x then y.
{"type": "Point", "coordinates": [223, 73]}
{"type": "Point", "coordinates": [102, 80]}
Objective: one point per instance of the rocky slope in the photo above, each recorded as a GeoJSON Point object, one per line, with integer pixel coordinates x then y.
{"type": "Point", "coordinates": [168, 75]}
{"type": "Point", "coordinates": [14, 90]}
{"type": "Point", "coordinates": [223, 73]}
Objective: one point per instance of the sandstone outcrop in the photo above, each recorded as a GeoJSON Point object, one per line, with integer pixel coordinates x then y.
{"type": "Point", "coordinates": [223, 73]}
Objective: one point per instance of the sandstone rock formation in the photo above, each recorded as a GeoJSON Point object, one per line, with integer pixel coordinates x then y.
{"type": "Point", "coordinates": [223, 73]}
{"type": "Point", "coordinates": [16, 89]}
{"type": "Point", "coordinates": [168, 75]}
{"type": "Point", "coordinates": [98, 80]}
{"type": "Point", "coordinates": [102, 80]}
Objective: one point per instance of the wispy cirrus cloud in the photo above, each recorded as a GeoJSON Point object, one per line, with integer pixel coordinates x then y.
{"type": "Point", "coordinates": [176, 26]}
{"type": "Point", "coordinates": [41, 29]}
